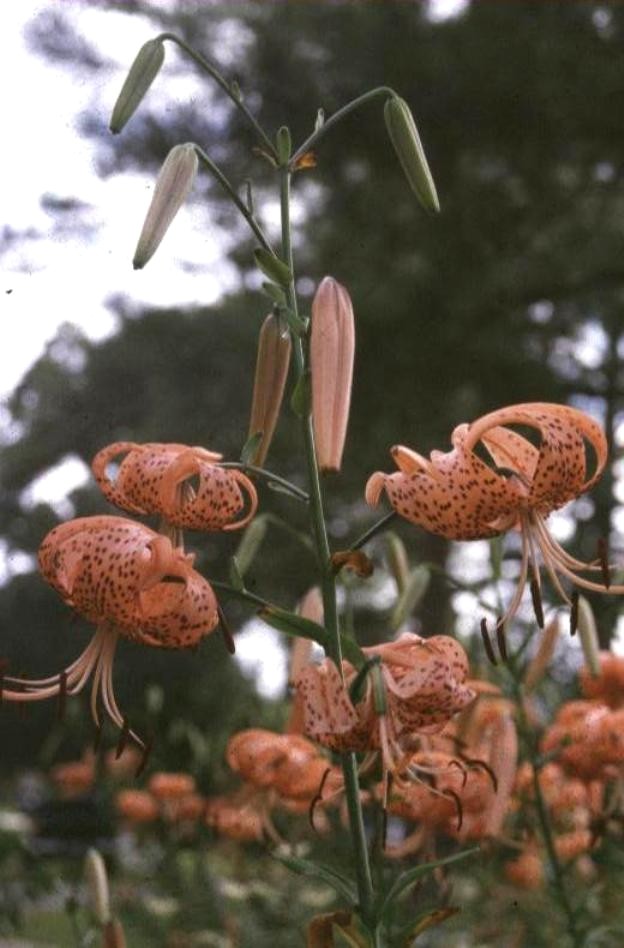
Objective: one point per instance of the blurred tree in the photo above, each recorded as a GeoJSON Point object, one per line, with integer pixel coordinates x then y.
{"type": "Point", "coordinates": [512, 294]}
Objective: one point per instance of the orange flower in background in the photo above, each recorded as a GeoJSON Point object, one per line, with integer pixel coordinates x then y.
{"type": "Point", "coordinates": [186, 485]}
{"type": "Point", "coordinates": [589, 739]}
{"type": "Point", "coordinates": [137, 806]}
{"type": "Point", "coordinates": [608, 686]}
{"type": "Point", "coordinates": [165, 785]}
{"type": "Point", "coordinates": [287, 763]}
{"type": "Point", "coordinates": [74, 778]}
{"type": "Point", "coordinates": [424, 685]}
{"type": "Point", "coordinates": [459, 496]}
{"type": "Point", "coordinates": [235, 818]}
{"type": "Point", "coordinates": [129, 581]}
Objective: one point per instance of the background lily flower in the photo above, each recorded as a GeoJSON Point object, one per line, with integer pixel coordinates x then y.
{"type": "Point", "coordinates": [424, 681]}
{"type": "Point", "coordinates": [129, 581]}
{"type": "Point", "coordinates": [459, 496]}
{"type": "Point", "coordinates": [184, 484]}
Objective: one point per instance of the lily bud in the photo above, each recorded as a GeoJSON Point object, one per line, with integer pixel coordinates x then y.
{"type": "Point", "coordinates": [142, 73]}
{"type": "Point", "coordinates": [332, 350]}
{"type": "Point", "coordinates": [542, 658]}
{"type": "Point", "coordinates": [398, 564]}
{"type": "Point", "coordinates": [172, 187]}
{"type": "Point", "coordinates": [588, 635]}
{"type": "Point", "coordinates": [97, 883]}
{"type": "Point", "coordinates": [406, 140]}
{"type": "Point", "coordinates": [272, 362]}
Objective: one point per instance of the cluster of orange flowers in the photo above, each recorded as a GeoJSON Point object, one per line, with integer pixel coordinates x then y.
{"type": "Point", "coordinates": [126, 578]}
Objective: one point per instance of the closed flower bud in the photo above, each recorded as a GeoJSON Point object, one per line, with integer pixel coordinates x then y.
{"type": "Point", "coordinates": [588, 635]}
{"type": "Point", "coordinates": [332, 349]}
{"type": "Point", "coordinates": [272, 266]}
{"type": "Point", "coordinates": [406, 140]}
{"type": "Point", "coordinates": [273, 360]}
{"type": "Point", "coordinates": [97, 883]}
{"type": "Point", "coordinates": [142, 73]}
{"type": "Point", "coordinates": [172, 187]}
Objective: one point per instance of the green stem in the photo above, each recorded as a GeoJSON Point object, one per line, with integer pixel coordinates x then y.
{"type": "Point", "coordinates": [311, 141]}
{"type": "Point", "coordinates": [216, 172]}
{"type": "Point", "coordinates": [557, 871]}
{"type": "Point", "coordinates": [328, 587]}
{"type": "Point", "coordinates": [376, 528]}
{"type": "Point", "coordinates": [270, 477]}
{"type": "Point", "coordinates": [225, 86]}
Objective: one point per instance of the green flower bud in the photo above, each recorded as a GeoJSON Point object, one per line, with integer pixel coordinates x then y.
{"type": "Point", "coordinates": [272, 362]}
{"type": "Point", "coordinates": [406, 140]}
{"type": "Point", "coordinates": [142, 73]}
{"type": "Point", "coordinates": [272, 266]}
{"type": "Point", "coordinates": [283, 144]}
{"type": "Point", "coordinates": [172, 187]}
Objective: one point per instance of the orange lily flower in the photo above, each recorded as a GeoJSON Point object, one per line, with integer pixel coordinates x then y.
{"type": "Point", "coordinates": [424, 684]}
{"type": "Point", "coordinates": [129, 581]}
{"type": "Point", "coordinates": [185, 485]}
{"type": "Point", "coordinates": [459, 496]}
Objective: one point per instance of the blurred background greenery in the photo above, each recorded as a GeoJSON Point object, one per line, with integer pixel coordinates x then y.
{"type": "Point", "coordinates": [514, 293]}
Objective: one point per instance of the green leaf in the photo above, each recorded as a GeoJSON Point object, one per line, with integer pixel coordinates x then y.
{"type": "Point", "coordinates": [274, 292]}
{"type": "Point", "coordinates": [313, 870]}
{"type": "Point", "coordinates": [272, 266]}
{"type": "Point", "coordinates": [411, 595]}
{"type": "Point", "coordinates": [411, 876]}
{"type": "Point", "coordinates": [250, 543]}
{"type": "Point", "coordinates": [248, 451]}
{"type": "Point", "coordinates": [424, 922]}
{"type": "Point", "coordinates": [235, 575]}
{"type": "Point", "coordinates": [292, 624]}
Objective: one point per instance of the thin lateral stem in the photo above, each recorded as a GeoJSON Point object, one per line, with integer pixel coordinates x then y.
{"type": "Point", "coordinates": [316, 136]}
{"type": "Point", "coordinates": [373, 531]}
{"type": "Point", "coordinates": [225, 86]}
{"type": "Point", "coordinates": [216, 172]}
{"type": "Point", "coordinates": [270, 477]}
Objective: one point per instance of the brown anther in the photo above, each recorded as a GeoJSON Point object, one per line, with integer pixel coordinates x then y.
{"type": "Point", "coordinates": [147, 750]}
{"type": "Point", "coordinates": [458, 805]}
{"type": "Point", "coordinates": [574, 611]}
{"type": "Point", "coordinates": [501, 640]}
{"type": "Point", "coordinates": [536, 598]}
{"type": "Point", "coordinates": [226, 631]}
{"type": "Point", "coordinates": [485, 635]}
{"type": "Point", "coordinates": [62, 696]}
{"type": "Point", "coordinates": [317, 799]}
{"type": "Point", "coordinates": [123, 738]}
{"type": "Point", "coordinates": [464, 772]}
{"type": "Point", "coordinates": [603, 559]}
{"type": "Point", "coordinates": [479, 764]}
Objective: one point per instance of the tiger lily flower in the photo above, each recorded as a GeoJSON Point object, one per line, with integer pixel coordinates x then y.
{"type": "Point", "coordinates": [186, 485]}
{"type": "Point", "coordinates": [424, 684]}
{"type": "Point", "coordinates": [129, 581]}
{"type": "Point", "coordinates": [459, 496]}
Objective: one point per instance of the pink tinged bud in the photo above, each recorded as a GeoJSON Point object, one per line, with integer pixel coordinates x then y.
{"type": "Point", "coordinates": [273, 360]}
{"type": "Point", "coordinates": [113, 935]}
{"type": "Point", "coordinates": [170, 192]}
{"type": "Point", "coordinates": [332, 349]}
{"type": "Point", "coordinates": [142, 73]}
